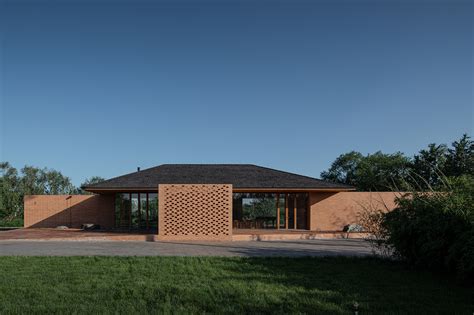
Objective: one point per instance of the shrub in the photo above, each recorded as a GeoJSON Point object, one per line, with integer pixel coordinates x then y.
{"type": "Point", "coordinates": [17, 222]}
{"type": "Point", "coordinates": [435, 230]}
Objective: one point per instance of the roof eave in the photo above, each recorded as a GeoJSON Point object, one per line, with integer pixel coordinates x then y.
{"type": "Point", "coordinates": [237, 189]}
{"type": "Point", "coordinates": [328, 189]}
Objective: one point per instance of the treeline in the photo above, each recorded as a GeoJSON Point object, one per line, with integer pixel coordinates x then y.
{"type": "Point", "coordinates": [15, 184]}
{"type": "Point", "coordinates": [385, 172]}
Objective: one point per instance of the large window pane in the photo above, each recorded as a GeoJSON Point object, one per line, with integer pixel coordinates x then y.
{"type": "Point", "coordinates": [143, 211]}
{"type": "Point", "coordinates": [122, 210]}
{"type": "Point", "coordinates": [153, 210]}
{"type": "Point", "coordinates": [282, 211]}
{"type": "Point", "coordinates": [131, 210]}
{"type": "Point", "coordinates": [135, 211]}
{"type": "Point", "coordinates": [254, 211]}
{"type": "Point", "coordinates": [302, 213]}
{"type": "Point", "coordinates": [291, 212]}
{"type": "Point", "coordinates": [260, 210]}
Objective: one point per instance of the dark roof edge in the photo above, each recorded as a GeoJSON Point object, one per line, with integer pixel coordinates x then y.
{"type": "Point", "coordinates": [336, 185]}
{"type": "Point", "coordinates": [132, 189]}
{"type": "Point", "coordinates": [113, 178]}
{"type": "Point", "coordinates": [313, 178]}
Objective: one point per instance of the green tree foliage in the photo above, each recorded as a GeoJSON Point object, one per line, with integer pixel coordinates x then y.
{"type": "Point", "coordinates": [380, 171]}
{"type": "Point", "coordinates": [36, 181]}
{"type": "Point", "coordinates": [429, 164]}
{"type": "Point", "coordinates": [460, 158]}
{"type": "Point", "coordinates": [30, 180]}
{"type": "Point", "coordinates": [11, 198]}
{"type": "Point", "coordinates": [343, 169]}
{"type": "Point", "coordinates": [373, 172]}
{"type": "Point", "coordinates": [91, 181]}
{"type": "Point", "coordinates": [260, 207]}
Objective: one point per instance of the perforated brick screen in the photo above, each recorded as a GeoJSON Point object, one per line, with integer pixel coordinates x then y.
{"type": "Point", "coordinates": [195, 212]}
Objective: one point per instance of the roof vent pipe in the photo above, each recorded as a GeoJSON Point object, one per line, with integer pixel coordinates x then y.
{"type": "Point", "coordinates": [138, 169]}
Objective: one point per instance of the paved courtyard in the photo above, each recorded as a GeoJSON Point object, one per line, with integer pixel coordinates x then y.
{"type": "Point", "coordinates": [294, 248]}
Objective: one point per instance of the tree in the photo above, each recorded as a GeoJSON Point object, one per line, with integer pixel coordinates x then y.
{"type": "Point", "coordinates": [460, 158]}
{"type": "Point", "coordinates": [429, 165]}
{"type": "Point", "coordinates": [91, 181]}
{"type": "Point", "coordinates": [36, 181]}
{"type": "Point", "coordinates": [382, 172]}
{"type": "Point", "coordinates": [11, 199]}
{"type": "Point", "coordinates": [56, 183]}
{"type": "Point", "coordinates": [30, 181]}
{"type": "Point", "coordinates": [375, 172]}
{"type": "Point", "coordinates": [343, 169]}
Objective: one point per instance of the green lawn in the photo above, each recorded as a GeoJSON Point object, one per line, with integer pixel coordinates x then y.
{"type": "Point", "coordinates": [223, 285]}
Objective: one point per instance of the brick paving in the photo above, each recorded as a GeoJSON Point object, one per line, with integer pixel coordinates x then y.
{"type": "Point", "coordinates": [74, 242]}
{"type": "Point", "coordinates": [77, 234]}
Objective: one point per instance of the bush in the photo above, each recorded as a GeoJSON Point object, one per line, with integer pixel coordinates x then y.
{"type": "Point", "coordinates": [17, 222]}
{"type": "Point", "coordinates": [435, 230]}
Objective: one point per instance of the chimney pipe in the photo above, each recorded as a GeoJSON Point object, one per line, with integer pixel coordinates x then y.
{"type": "Point", "coordinates": [138, 169]}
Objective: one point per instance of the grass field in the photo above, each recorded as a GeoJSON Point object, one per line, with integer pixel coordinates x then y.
{"type": "Point", "coordinates": [223, 285]}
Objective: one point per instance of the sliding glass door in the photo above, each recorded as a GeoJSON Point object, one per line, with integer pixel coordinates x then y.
{"type": "Point", "coordinates": [270, 210]}
{"type": "Point", "coordinates": [135, 210]}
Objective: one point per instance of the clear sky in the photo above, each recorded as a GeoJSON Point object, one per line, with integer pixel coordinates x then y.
{"type": "Point", "coordinates": [101, 87]}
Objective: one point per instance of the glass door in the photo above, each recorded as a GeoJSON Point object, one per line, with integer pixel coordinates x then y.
{"type": "Point", "coordinates": [122, 210]}
{"type": "Point", "coordinates": [282, 207]}
{"type": "Point", "coordinates": [135, 215]}
{"type": "Point", "coordinates": [153, 210]}
{"type": "Point", "coordinates": [136, 211]}
{"type": "Point", "coordinates": [291, 211]}
{"type": "Point", "coordinates": [301, 211]}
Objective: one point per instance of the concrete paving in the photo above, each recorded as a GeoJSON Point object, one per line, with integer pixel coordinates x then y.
{"type": "Point", "coordinates": [293, 248]}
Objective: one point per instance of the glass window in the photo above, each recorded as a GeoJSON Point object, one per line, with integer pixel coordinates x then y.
{"type": "Point", "coordinates": [143, 211]}
{"type": "Point", "coordinates": [254, 211]}
{"type": "Point", "coordinates": [136, 210]}
{"type": "Point", "coordinates": [291, 212]}
{"type": "Point", "coordinates": [135, 220]}
{"type": "Point", "coordinates": [122, 210]}
{"type": "Point", "coordinates": [260, 210]}
{"type": "Point", "coordinates": [153, 210]}
{"type": "Point", "coordinates": [301, 211]}
{"type": "Point", "coordinates": [281, 205]}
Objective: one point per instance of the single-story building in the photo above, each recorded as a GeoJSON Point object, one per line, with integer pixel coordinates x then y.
{"type": "Point", "coordinates": [206, 201]}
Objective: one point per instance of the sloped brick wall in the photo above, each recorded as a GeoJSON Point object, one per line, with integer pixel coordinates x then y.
{"type": "Point", "coordinates": [331, 211]}
{"type": "Point", "coordinates": [49, 211]}
{"type": "Point", "coordinates": [195, 212]}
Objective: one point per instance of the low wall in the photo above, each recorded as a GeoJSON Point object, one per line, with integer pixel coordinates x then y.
{"type": "Point", "coordinates": [195, 212]}
{"type": "Point", "coordinates": [332, 211]}
{"type": "Point", "coordinates": [49, 211]}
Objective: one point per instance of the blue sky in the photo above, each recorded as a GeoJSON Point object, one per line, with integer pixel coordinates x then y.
{"type": "Point", "coordinates": [101, 87]}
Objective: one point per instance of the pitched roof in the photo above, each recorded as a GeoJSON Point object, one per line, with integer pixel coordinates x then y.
{"type": "Point", "coordinates": [239, 175]}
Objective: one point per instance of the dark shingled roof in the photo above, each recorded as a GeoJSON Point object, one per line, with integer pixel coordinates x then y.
{"type": "Point", "coordinates": [239, 175]}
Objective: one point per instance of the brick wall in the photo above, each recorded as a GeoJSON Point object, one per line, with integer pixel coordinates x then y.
{"type": "Point", "coordinates": [195, 212]}
{"type": "Point", "coordinates": [333, 211]}
{"type": "Point", "coordinates": [49, 211]}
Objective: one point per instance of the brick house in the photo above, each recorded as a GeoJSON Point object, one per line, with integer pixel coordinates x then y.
{"type": "Point", "coordinates": [206, 201]}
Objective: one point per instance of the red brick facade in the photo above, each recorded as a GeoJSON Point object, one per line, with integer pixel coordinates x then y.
{"type": "Point", "coordinates": [331, 211]}
{"type": "Point", "coordinates": [197, 212]}
{"type": "Point", "coordinates": [49, 211]}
